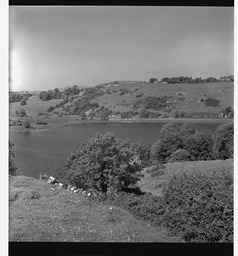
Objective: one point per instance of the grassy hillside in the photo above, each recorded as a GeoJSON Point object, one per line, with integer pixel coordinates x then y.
{"type": "Point", "coordinates": [123, 96]}
{"type": "Point", "coordinates": [38, 213]}
{"type": "Point", "coordinates": [154, 184]}
{"type": "Point", "coordinates": [192, 93]}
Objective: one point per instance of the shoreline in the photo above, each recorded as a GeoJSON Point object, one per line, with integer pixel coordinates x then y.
{"type": "Point", "coordinates": [62, 122]}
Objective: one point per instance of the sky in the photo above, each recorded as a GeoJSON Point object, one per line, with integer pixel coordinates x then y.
{"type": "Point", "coordinates": [54, 47]}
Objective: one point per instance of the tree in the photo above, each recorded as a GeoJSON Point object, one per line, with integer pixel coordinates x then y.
{"type": "Point", "coordinates": [26, 124]}
{"type": "Point", "coordinates": [199, 145]}
{"type": "Point", "coordinates": [23, 102]}
{"type": "Point", "coordinates": [104, 163]}
{"type": "Point", "coordinates": [22, 112]}
{"type": "Point", "coordinates": [104, 114]}
{"type": "Point", "coordinates": [17, 113]}
{"type": "Point", "coordinates": [187, 128]}
{"type": "Point", "coordinates": [165, 147]}
{"type": "Point", "coordinates": [56, 94]}
{"type": "Point", "coordinates": [144, 113]}
{"type": "Point", "coordinates": [83, 115]}
{"type": "Point", "coordinates": [168, 129]}
{"type": "Point", "coordinates": [223, 141]}
{"type": "Point", "coordinates": [12, 164]}
{"type": "Point", "coordinates": [75, 89]}
{"type": "Point", "coordinates": [153, 80]}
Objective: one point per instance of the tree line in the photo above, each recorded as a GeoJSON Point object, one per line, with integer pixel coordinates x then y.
{"type": "Point", "coordinates": [186, 79]}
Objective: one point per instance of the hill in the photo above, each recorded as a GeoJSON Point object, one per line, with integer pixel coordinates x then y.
{"type": "Point", "coordinates": [162, 100]}
{"type": "Point", "coordinates": [38, 213]}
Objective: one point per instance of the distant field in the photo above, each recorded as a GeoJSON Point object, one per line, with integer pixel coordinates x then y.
{"type": "Point", "coordinates": [155, 184]}
{"type": "Point", "coordinates": [34, 104]}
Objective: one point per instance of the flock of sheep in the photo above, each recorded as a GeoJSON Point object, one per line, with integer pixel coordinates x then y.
{"type": "Point", "coordinates": [52, 180]}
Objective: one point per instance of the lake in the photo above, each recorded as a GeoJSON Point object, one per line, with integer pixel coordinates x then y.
{"type": "Point", "coordinates": [44, 150]}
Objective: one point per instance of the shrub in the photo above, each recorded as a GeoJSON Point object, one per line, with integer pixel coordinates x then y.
{"type": "Point", "coordinates": [50, 109]}
{"type": "Point", "coordinates": [104, 114]}
{"type": "Point", "coordinates": [41, 122]}
{"type": "Point", "coordinates": [12, 164]}
{"type": "Point", "coordinates": [22, 112]}
{"type": "Point", "coordinates": [199, 207]}
{"type": "Point", "coordinates": [145, 205]}
{"type": "Point", "coordinates": [180, 155]}
{"type": "Point", "coordinates": [104, 163]}
{"type": "Point", "coordinates": [210, 102]}
{"type": "Point", "coordinates": [23, 102]}
{"type": "Point", "coordinates": [26, 124]}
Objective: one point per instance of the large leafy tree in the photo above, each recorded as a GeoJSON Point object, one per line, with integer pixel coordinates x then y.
{"type": "Point", "coordinates": [199, 145]}
{"type": "Point", "coordinates": [105, 163]}
{"type": "Point", "coordinates": [223, 141]}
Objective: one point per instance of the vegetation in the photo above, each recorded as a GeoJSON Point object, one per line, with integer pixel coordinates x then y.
{"type": "Point", "coordinates": [12, 164]}
{"type": "Point", "coordinates": [185, 79]}
{"type": "Point", "coordinates": [23, 102]}
{"type": "Point", "coordinates": [223, 141]}
{"type": "Point", "coordinates": [153, 80]}
{"type": "Point", "coordinates": [21, 113]}
{"type": "Point", "coordinates": [26, 124]}
{"type": "Point", "coordinates": [185, 143]}
{"type": "Point", "coordinates": [17, 97]}
{"type": "Point", "coordinates": [105, 163]}
{"type": "Point", "coordinates": [210, 102]}
{"type": "Point", "coordinates": [104, 114]}
{"type": "Point", "coordinates": [199, 207]}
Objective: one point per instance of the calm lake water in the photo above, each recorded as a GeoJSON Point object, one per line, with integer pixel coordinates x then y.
{"type": "Point", "coordinates": [43, 151]}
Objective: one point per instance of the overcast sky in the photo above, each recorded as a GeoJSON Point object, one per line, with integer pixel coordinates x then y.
{"type": "Point", "coordinates": [61, 46]}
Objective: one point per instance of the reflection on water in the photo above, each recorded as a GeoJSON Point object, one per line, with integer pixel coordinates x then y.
{"type": "Point", "coordinates": [42, 152]}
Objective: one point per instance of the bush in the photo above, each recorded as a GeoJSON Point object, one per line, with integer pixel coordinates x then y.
{"type": "Point", "coordinates": [12, 164]}
{"type": "Point", "coordinates": [23, 102]}
{"type": "Point", "coordinates": [180, 155]}
{"type": "Point", "coordinates": [104, 163]}
{"type": "Point", "coordinates": [210, 102]}
{"type": "Point", "coordinates": [145, 205]}
{"type": "Point", "coordinates": [50, 109]}
{"type": "Point", "coordinates": [39, 121]}
{"type": "Point", "coordinates": [22, 112]}
{"type": "Point", "coordinates": [199, 207]}
{"type": "Point", "coordinates": [26, 124]}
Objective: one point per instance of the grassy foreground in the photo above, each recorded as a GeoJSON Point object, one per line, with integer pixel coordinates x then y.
{"type": "Point", "coordinates": [38, 213]}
